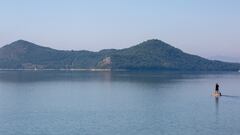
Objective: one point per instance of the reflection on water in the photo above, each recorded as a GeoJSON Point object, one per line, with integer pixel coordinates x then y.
{"type": "Point", "coordinates": [107, 103]}
{"type": "Point", "coordinates": [151, 77]}
{"type": "Point", "coordinates": [217, 105]}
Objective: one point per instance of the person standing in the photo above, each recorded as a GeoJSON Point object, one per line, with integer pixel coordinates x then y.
{"type": "Point", "coordinates": [217, 90]}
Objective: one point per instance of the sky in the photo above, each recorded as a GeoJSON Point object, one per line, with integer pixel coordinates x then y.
{"type": "Point", "coordinates": [208, 28]}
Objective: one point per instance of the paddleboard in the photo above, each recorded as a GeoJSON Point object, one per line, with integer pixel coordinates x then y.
{"type": "Point", "coordinates": [216, 94]}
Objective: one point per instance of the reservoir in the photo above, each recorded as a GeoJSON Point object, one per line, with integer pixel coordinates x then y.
{"type": "Point", "coordinates": [118, 103]}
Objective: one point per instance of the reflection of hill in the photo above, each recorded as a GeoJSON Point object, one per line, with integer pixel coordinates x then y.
{"type": "Point", "coordinates": [123, 76]}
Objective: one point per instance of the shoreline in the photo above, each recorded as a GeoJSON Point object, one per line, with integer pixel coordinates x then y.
{"type": "Point", "coordinates": [110, 70]}
{"type": "Point", "coordinates": [55, 69]}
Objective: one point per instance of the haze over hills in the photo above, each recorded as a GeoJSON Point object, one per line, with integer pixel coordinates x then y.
{"type": "Point", "coordinates": [149, 55]}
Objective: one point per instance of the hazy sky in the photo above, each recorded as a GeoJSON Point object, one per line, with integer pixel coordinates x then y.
{"type": "Point", "coordinates": [203, 27]}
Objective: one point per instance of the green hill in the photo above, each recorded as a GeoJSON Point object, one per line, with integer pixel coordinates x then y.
{"type": "Point", "coordinates": [149, 55]}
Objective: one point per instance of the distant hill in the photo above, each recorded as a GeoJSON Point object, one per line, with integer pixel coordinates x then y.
{"type": "Point", "coordinates": [149, 55]}
{"type": "Point", "coordinates": [226, 58]}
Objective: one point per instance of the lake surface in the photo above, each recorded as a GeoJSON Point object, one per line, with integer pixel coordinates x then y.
{"type": "Point", "coordinates": [118, 103]}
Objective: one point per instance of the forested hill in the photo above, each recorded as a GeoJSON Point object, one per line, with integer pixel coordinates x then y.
{"type": "Point", "coordinates": [148, 55]}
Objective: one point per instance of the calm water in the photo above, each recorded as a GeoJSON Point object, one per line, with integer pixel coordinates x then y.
{"type": "Point", "coordinates": [118, 103]}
